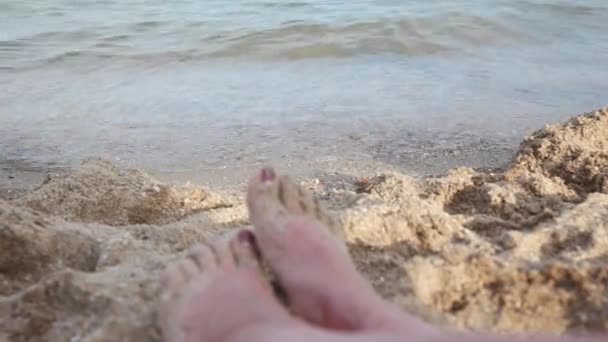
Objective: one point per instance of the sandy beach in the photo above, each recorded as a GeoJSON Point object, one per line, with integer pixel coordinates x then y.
{"type": "Point", "coordinates": [520, 249]}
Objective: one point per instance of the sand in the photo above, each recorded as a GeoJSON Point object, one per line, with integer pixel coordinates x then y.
{"type": "Point", "coordinates": [521, 250]}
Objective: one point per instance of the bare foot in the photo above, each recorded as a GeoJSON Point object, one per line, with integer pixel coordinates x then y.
{"type": "Point", "coordinates": [299, 242]}
{"type": "Point", "coordinates": [217, 293]}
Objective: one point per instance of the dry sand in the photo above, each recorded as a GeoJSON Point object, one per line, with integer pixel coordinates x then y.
{"type": "Point", "coordinates": [524, 250]}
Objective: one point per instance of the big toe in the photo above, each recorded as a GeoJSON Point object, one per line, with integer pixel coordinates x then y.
{"type": "Point", "coordinates": [276, 200]}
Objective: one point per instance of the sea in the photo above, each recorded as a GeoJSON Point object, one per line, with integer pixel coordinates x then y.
{"type": "Point", "coordinates": [187, 89]}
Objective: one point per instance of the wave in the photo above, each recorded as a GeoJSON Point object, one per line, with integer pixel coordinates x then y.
{"type": "Point", "coordinates": [293, 40]}
{"type": "Point", "coordinates": [564, 7]}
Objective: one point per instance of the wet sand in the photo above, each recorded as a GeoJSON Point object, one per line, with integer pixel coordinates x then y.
{"type": "Point", "coordinates": [18, 176]}
{"type": "Point", "coordinates": [517, 248]}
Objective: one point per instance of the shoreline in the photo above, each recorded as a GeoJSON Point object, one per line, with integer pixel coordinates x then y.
{"type": "Point", "coordinates": [21, 176]}
{"type": "Point", "coordinates": [17, 177]}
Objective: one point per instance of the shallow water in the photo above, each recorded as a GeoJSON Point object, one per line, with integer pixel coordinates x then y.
{"type": "Point", "coordinates": [192, 86]}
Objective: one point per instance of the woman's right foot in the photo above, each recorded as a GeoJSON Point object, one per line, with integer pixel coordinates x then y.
{"type": "Point", "coordinates": [298, 240]}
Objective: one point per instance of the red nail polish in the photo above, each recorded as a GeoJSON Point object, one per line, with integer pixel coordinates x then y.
{"type": "Point", "coordinates": [246, 236]}
{"type": "Point", "coordinates": [267, 174]}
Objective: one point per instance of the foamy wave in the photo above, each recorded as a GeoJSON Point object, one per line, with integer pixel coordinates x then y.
{"type": "Point", "coordinates": [291, 41]}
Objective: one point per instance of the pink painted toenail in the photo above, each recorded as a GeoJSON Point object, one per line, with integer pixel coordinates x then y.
{"type": "Point", "coordinates": [246, 237]}
{"type": "Point", "coordinates": [267, 174]}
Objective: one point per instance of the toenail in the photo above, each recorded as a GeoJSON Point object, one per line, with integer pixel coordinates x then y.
{"type": "Point", "coordinates": [268, 174]}
{"type": "Point", "coordinates": [246, 237]}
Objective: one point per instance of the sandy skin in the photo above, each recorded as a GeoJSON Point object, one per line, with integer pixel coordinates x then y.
{"type": "Point", "coordinates": [218, 293]}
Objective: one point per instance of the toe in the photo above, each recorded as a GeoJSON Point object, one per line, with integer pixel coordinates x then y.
{"type": "Point", "coordinates": [309, 203]}
{"type": "Point", "coordinates": [172, 278]}
{"type": "Point", "coordinates": [262, 179]}
{"type": "Point", "coordinates": [203, 257]}
{"type": "Point", "coordinates": [267, 174]}
{"type": "Point", "coordinates": [245, 250]}
{"type": "Point", "coordinates": [174, 281]}
{"type": "Point", "coordinates": [288, 193]}
{"type": "Point", "coordinates": [188, 269]}
{"type": "Point", "coordinates": [262, 194]}
{"type": "Point", "coordinates": [223, 253]}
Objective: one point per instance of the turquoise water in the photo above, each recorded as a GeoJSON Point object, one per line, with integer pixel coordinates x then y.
{"type": "Point", "coordinates": [193, 85]}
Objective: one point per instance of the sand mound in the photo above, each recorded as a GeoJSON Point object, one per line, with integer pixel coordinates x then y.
{"type": "Point", "coordinates": [575, 153]}
{"type": "Point", "coordinates": [522, 250]}
{"type": "Point", "coordinates": [100, 192]}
